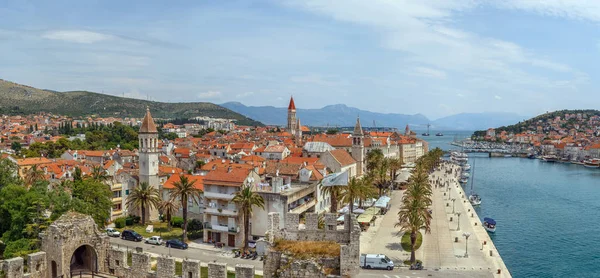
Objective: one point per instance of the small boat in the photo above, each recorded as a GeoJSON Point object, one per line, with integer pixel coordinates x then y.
{"type": "Point", "coordinates": [508, 155]}
{"type": "Point", "coordinates": [426, 133]}
{"type": "Point", "coordinates": [465, 175]}
{"type": "Point", "coordinates": [439, 134]}
{"type": "Point", "coordinates": [474, 199]}
{"type": "Point", "coordinates": [463, 180]}
{"type": "Point", "coordinates": [592, 163]}
{"type": "Point", "coordinates": [550, 158]}
{"type": "Point", "coordinates": [489, 224]}
{"type": "Point", "coordinates": [466, 167]}
{"type": "Point", "coordinates": [531, 156]}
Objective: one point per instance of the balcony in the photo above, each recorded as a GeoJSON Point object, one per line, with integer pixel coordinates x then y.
{"type": "Point", "coordinates": [116, 187]}
{"type": "Point", "coordinates": [117, 212]}
{"type": "Point", "coordinates": [219, 196]}
{"type": "Point", "coordinates": [222, 212]}
{"type": "Point", "coordinates": [304, 207]}
{"type": "Point", "coordinates": [222, 228]}
{"type": "Point", "coordinates": [117, 199]}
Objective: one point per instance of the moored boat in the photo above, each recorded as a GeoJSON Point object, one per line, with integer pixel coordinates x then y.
{"type": "Point", "coordinates": [474, 199]}
{"type": "Point", "coordinates": [439, 134]}
{"type": "Point", "coordinates": [550, 158]}
{"type": "Point", "coordinates": [466, 167]}
{"type": "Point", "coordinates": [592, 163]}
{"type": "Point", "coordinates": [489, 224]}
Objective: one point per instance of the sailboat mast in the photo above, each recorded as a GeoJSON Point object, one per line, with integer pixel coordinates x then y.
{"type": "Point", "coordinates": [473, 177]}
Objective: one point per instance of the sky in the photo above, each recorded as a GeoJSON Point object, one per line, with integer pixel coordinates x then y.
{"type": "Point", "coordinates": [436, 58]}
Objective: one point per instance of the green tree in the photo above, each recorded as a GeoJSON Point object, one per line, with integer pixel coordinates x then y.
{"type": "Point", "coordinates": [185, 190]}
{"type": "Point", "coordinates": [33, 175]}
{"type": "Point", "coordinates": [374, 158]}
{"type": "Point", "coordinates": [333, 192]}
{"type": "Point", "coordinates": [332, 131]}
{"type": "Point", "coordinates": [99, 174]}
{"type": "Point", "coordinates": [92, 198]}
{"type": "Point", "coordinates": [170, 136]}
{"type": "Point", "coordinates": [246, 199]}
{"type": "Point", "coordinates": [15, 146]}
{"type": "Point", "coordinates": [143, 197]}
{"type": "Point", "coordinates": [357, 188]}
{"type": "Point", "coordinates": [8, 173]}
{"type": "Point", "coordinates": [168, 208]}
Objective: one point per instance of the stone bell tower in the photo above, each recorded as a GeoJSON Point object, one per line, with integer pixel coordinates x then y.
{"type": "Point", "coordinates": [148, 154]}
{"type": "Point", "coordinates": [358, 148]}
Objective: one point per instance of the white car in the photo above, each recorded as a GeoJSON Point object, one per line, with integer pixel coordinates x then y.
{"type": "Point", "coordinates": [156, 240]}
{"type": "Point", "coordinates": [112, 232]}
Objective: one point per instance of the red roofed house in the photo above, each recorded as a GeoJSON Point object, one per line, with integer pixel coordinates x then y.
{"type": "Point", "coordinates": [339, 161]}
{"type": "Point", "coordinates": [275, 152]}
{"type": "Point", "coordinates": [223, 221]}
{"type": "Point", "coordinates": [195, 210]}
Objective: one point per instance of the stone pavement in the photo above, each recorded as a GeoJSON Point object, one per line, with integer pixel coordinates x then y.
{"type": "Point", "coordinates": [384, 238]}
{"type": "Point", "coordinates": [444, 247]}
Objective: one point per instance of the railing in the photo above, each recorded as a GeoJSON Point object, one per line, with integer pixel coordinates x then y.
{"type": "Point", "coordinates": [220, 211]}
{"type": "Point", "coordinates": [222, 228]}
{"type": "Point", "coordinates": [304, 207]}
{"type": "Point", "coordinates": [215, 195]}
{"type": "Point", "coordinates": [117, 199]}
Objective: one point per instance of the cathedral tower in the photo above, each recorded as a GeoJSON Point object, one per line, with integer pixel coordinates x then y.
{"type": "Point", "coordinates": [358, 148]}
{"type": "Point", "coordinates": [291, 120]}
{"type": "Point", "coordinates": [148, 155]}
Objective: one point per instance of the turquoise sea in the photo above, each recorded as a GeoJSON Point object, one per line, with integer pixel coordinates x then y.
{"type": "Point", "coordinates": [548, 214]}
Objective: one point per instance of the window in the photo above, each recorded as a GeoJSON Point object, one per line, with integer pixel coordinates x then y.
{"type": "Point", "coordinates": [127, 192]}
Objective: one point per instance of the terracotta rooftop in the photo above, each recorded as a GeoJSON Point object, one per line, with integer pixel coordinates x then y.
{"type": "Point", "coordinates": [292, 105]}
{"type": "Point", "coordinates": [148, 125]}
{"type": "Point", "coordinates": [233, 177]}
{"type": "Point", "coordinates": [343, 157]}
{"type": "Point", "coordinates": [197, 180]}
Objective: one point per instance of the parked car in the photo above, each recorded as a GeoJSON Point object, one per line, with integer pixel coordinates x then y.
{"type": "Point", "coordinates": [156, 240]}
{"type": "Point", "coordinates": [380, 261]}
{"type": "Point", "coordinates": [176, 243]}
{"type": "Point", "coordinates": [112, 232]}
{"type": "Point", "coordinates": [131, 235]}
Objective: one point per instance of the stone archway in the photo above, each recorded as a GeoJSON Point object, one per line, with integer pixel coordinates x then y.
{"type": "Point", "coordinates": [84, 259]}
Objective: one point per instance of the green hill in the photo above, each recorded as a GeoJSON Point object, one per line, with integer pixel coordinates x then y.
{"type": "Point", "coordinates": [532, 123]}
{"type": "Point", "coordinates": [18, 99]}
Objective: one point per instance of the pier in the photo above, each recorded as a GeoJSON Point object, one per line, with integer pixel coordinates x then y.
{"type": "Point", "coordinates": [492, 149]}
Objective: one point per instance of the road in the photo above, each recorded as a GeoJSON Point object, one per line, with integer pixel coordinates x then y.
{"type": "Point", "coordinates": [406, 273]}
{"type": "Point", "coordinates": [204, 256]}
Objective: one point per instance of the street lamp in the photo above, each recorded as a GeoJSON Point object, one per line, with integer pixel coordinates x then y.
{"type": "Point", "coordinates": [466, 235]}
{"type": "Point", "coordinates": [458, 221]}
{"type": "Point", "coordinates": [453, 200]}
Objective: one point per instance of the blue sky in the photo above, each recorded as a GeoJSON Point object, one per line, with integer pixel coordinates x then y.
{"type": "Point", "coordinates": [432, 57]}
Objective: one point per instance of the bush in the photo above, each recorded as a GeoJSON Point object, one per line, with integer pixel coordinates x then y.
{"type": "Point", "coordinates": [405, 241]}
{"type": "Point", "coordinates": [194, 225]}
{"type": "Point", "coordinates": [19, 248]}
{"type": "Point", "coordinates": [195, 235]}
{"type": "Point", "coordinates": [120, 222]}
{"type": "Point", "coordinates": [177, 221]}
{"type": "Point", "coordinates": [132, 219]}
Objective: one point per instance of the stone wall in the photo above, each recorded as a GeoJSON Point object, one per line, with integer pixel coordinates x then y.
{"type": "Point", "coordinates": [278, 264]}
{"type": "Point", "coordinates": [74, 230]}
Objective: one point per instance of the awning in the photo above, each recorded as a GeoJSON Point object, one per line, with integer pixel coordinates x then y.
{"type": "Point", "coordinates": [365, 218]}
{"type": "Point", "coordinates": [372, 211]}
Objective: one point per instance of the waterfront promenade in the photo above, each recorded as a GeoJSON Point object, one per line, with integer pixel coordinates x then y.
{"type": "Point", "coordinates": [441, 250]}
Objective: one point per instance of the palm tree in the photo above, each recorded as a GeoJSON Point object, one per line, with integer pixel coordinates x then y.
{"type": "Point", "coordinates": [413, 216]}
{"type": "Point", "coordinates": [33, 175]}
{"type": "Point", "coordinates": [374, 158]}
{"type": "Point", "coordinates": [333, 192]}
{"type": "Point", "coordinates": [99, 174]}
{"type": "Point", "coordinates": [245, 200]}
{"type": "Point", "coordinates": [185, 191]}
{"type": "Point", "coordinates": [357, 188]}
{"type": "Point", "coordinates": [144, 197]}
{"type": "Point", "coordinates": [380, 175]}
{"type": "Point", "coordinates": [394, 165]}
{"type": "Point", "coordinates": [168, 207]}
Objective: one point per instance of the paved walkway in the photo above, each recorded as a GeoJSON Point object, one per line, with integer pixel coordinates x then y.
{"type": "Point", "coordinates": [445, 247]}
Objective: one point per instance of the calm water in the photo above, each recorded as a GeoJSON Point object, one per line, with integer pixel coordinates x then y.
{"type": "Point", "coordinates": [548, 214]}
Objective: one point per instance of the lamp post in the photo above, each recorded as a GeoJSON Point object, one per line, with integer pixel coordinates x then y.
{"type": "Point", "coordinates": [466, 235]}
{"type": "Point", "coordinates": [453, 200]}
{"type": "Point", "coordinates": [458, 221]}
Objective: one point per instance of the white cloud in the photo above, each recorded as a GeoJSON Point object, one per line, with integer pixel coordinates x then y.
{"type": "Point", "coordinates": [497, 97]}
{"type": "Point", "coordinates": [429, 72]}
{"type": "Point", "coordinates": [209, 95]}
{"type": "Point", "coordinates": [460, 95]}
{"type": "Point", "coordinates": [313, 79]}
{"type": "Point", "coordinates": [76, 36]}
{"type": "Point", "coordinates": [243, 95]}
{"type": "Point", "coordinates": [573, 9]}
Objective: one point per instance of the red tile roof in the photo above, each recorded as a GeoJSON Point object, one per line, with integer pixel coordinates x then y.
{"type": "Point", "coordinates": [197, 180]}
{"type": "Point", "coordinates": [234, 177]}
{"type": "Point", "coordinates": [343, 157]}
{"type": "Point", "coordinates": [292, 105]}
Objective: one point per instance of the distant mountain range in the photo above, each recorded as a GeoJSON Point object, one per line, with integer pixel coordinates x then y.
{"type": "Point", "coordinates": [342, 115]}
{"type": "Point", "coordinates": [18, 99]}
